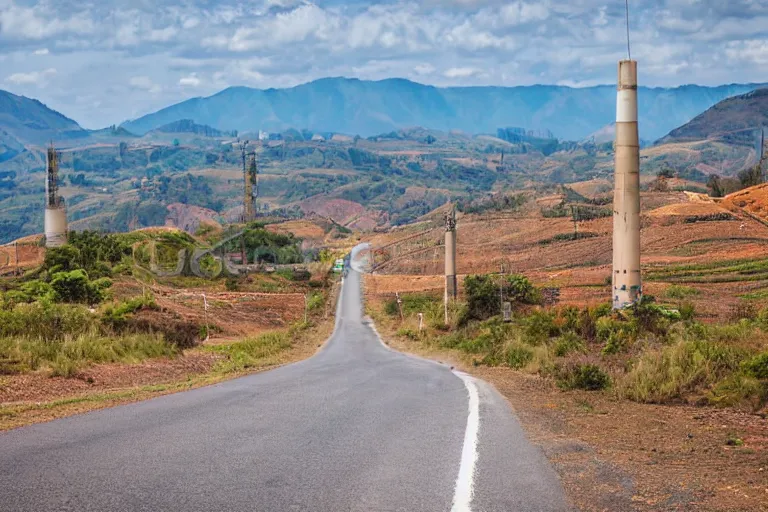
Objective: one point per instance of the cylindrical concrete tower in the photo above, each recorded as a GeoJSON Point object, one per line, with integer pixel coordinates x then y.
{"type": "Point", "coordinates": [627, 288]}
{"type": "Point", "coordinates": [55, 227]}
{"type": "Point", "coordinates": [450, 255]}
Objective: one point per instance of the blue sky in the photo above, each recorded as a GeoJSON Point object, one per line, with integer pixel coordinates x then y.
{"type": "Point", "coordinates": [106, 61]}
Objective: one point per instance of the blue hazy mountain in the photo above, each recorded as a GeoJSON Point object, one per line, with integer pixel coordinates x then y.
{"type": "Point", "coordinates": [367, 108]}
{"type": "Point", "coordinates": [29, 121]}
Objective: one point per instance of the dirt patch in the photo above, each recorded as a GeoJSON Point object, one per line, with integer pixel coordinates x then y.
{"type": "Point", "coordinates": [39, 387]}
{"type": "Point", "coordinates": [299, 228]}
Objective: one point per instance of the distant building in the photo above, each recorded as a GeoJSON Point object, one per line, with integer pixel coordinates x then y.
{"type": "Point", "coordinates": [318, 137]}
{"type": "Point", "coordinates": [263, 135]}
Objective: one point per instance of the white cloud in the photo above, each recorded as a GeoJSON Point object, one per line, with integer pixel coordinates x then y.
{"type": "Point", "coordinates": [145, 83]}
{"type": "Point", "coordinates": [39, 22]}
{"type": "Point", "coordinates": [39, 78]}
{"type": "Point", "coordinates": [460, 72]}
{"type": "Point", "coordinates": [135, 57]}
{"type": "Point", "coordinates": [424, 69]}
{"type": "Point", "coordinates": [190, 81]}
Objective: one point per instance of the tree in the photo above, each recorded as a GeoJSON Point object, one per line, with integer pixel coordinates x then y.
{"type": "Point", "coordinates": [715, 186]}
{"type": "Point", "coordinates": [751, 176]}
{"type": "Point", "coordinates": [74, 286]}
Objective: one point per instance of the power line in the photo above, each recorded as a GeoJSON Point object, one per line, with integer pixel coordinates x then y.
{"type": "Point", "coordinates": [629, 51]}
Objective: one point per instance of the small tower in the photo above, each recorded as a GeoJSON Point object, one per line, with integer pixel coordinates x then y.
{"type": "Point", "coordinates": [55, 210]}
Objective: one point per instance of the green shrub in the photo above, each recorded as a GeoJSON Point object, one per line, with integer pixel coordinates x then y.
{"type": "Point", "coordinates": [568, 343]}
{"type": "Point", "coordinates": [74, 286]}
{"type": "Point", "coordinates": [687, 311]}
{"type": "Point", "coordinates": [263, 350]}
{"type": "Point", "coordinates": [412, 303]}
{"type": "Point", "coordinates": [483, 294]}
{"type": "Point", "coordinates": [115, 315]}
{"type": "Point", "coordinates": [616, 335]}
{"type": "Point", "coordinates": [680, 292]}
{"type": "Point", "coordinates": [757, 366]}
{"type": "Point", "coordinates": [232, 284]}
{"type": "Point", "coordinates": [519, 289]}
{"type": "Point", "coordinates": [516, 355]}
{"type": "Point", "coordinates": [584, 376]}
{"type": "Point", "coordinates": [482, 297]}
{"type": "Point", "coordinates": [539, 327]}
{"type": "Point", "coordinates": [688, 365]}
{"type": "Point", "coordinates": [46, 321]}
{"type": "Point", "coordinates": [315, 301]}
{"type": "Point", "coordinates": [740, 390]}
{"type": "Point", "coordinates": [407, 332]}
{"type": "Point", "coordinates": [484, 342]}
{"type": "Point", "coordinates": [69, 354]}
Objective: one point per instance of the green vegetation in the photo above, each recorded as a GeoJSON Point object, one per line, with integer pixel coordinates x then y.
{"type": "Point", "coordinates": [257, 352]}
{"type": "Point", "coordinates": [66, 356]}
{"type": "Point", "coordinates": [484, 294]}
{"type": "Point", "coordinates": [647, 353]}
{"type": "Point", "coordinates": [568, 237]}
{"type": "Point", "coordinates": [677, 291]}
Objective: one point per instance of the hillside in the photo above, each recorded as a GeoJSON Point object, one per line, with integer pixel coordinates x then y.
{"type": "Point", "coordinates": [29, 121]}
{"type": "Point", "coordinates": [735, 119]}
{"type": "Point", "coordinates": [189, 126]}
{"type": "Point", "coordinates": [370, 107]}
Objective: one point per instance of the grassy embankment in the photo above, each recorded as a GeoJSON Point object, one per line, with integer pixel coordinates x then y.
{"type": "Point", "coordinates": [62, 322]}
{"type": "Point", "coordinates": [652, 354]}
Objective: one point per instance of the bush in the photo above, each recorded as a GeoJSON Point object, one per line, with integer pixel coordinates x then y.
{"type": "Point", "coordinates": [616, 335]}
{"type": "Point", "coordinates": [232, 284]}
{"type": "Point", "coordinates": [69, 354]}
{"type": "Point", "coordinates": [688, 365]}
{"type": "Point", "coordinates": [757, 367]}
{"type": "Point", "coordinates": [516, 355]}
{"type": "Point", "coordinates": [687, 311]}
{"type": "Point", "coordinates": [680, 292]}
{"type": "Point", "coordinates": [74, 286]}
{"type": "Point", "coordinates": [539, 326]}
{"type": "Point", "coordinates": [568, 343]}
{"type": "Point", "coordinates": [315, 301]}
{"type": "Point", "coordinates": [263, 350]}
{"type": "Point", "coordinates": [587, 376]}
{"type": "Point", "coordinates": [116, 315]}
{"type": "Point", "coordinates": [412, 304]}
{"type": "Point", "coordinates": [46, 321]}
{"type": "Point", "coordinates": [483, 300]}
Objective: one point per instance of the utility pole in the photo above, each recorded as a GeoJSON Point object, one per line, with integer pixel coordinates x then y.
{"type": "Point", "coordinates": [501, 288]}
{"type": "Point", "coordinates": [574, 216]}
{"type": "Point", "coordinates": [450, 259]}
{"type": "Point", "coordinates": [247, 199]}
{"type": "Point", "coordinates": [627, 288]}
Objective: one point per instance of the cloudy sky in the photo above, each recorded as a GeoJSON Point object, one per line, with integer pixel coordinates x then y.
{"type": "Point", "coordinates": [106, 61]}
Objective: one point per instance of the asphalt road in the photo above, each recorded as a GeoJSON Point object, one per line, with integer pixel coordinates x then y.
{"type": "Point", "coordinates": [357, 427]}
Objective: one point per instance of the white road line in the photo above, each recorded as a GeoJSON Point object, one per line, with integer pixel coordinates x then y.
{"type": "Point", "coordinates": [462, 497]}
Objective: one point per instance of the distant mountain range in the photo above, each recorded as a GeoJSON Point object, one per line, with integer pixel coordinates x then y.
{"type": "Point", "coordinates": [736, 119]}
{"type": "Point", "coordinates": [367, 108]}
{"type": "Point", "coordinates": [28, 121]}
{"type": "Point", "coordinates": [352, 106]}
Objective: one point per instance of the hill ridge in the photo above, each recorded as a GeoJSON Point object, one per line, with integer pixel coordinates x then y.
{"type": "Point", "coordinates": [370, 107]}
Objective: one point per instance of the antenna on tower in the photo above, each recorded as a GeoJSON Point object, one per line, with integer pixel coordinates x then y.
{"type": "Point", "coordinates": [247, 198]}
{"type": "Point", "coordinates": [629, 50]}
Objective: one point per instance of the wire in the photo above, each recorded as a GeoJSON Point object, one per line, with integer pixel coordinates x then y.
{"type": "Point", "coordinates": [629, 51]}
